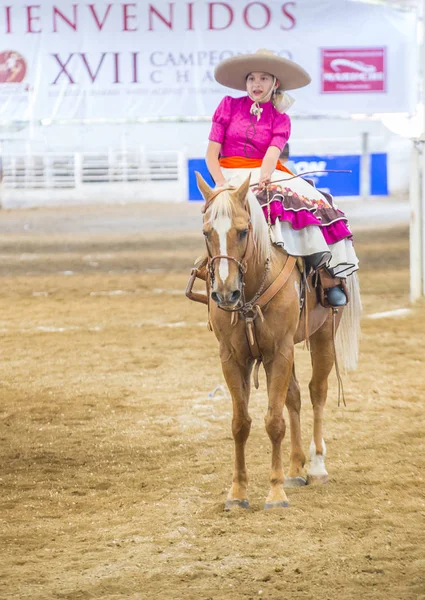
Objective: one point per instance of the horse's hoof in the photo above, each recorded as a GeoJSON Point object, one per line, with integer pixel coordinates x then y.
{"type": "Point", "coordinates": [293, 482]}
{"type": "Point", "coordinates": [232, 504]}
{"type": "Point", "coordinates": [271, 505]}
{"type": "Point", "coordinates": [317, 479]}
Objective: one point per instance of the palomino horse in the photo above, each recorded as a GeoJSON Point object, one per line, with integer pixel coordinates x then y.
{"type": "Point", "coordinates": [243, 265]}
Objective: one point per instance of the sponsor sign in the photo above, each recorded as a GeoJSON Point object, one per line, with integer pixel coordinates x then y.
{"type": "Point", "coordinates": [353, 70]}
{"type": "Point", "coordinates": [69, 59]}
{"type": "Point", "coordinates": [337, 184]}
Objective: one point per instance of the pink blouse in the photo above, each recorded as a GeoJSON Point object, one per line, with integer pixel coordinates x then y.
{"type": "Point", "coordinates": [239, 132]}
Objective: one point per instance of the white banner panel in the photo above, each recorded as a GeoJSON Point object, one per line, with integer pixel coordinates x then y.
{"type": "Point", "coordinates": [66, 59]}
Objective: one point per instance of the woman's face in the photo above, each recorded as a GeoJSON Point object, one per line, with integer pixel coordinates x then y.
{"type": "Point", "coordinates": [258, 83]}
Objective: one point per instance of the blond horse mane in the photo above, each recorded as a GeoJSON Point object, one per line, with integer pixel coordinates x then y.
{"type": "Point", "coordinates": [223, 206]}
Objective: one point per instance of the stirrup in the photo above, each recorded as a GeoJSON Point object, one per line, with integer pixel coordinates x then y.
{"type": "Point", "coordinates": [336, 296]}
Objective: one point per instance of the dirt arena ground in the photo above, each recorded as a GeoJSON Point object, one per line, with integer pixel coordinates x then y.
{"type": "Point", "coordinates": [115, 459]}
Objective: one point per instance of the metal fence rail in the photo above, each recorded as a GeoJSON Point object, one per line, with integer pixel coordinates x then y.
{"type": "Point", "coordinates": [71, 170]}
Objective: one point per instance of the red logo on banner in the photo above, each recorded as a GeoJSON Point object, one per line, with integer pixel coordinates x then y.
{"type": "Point", "coordinates": [13, 67]}
{"type": "Point", "coordinates": [353, 70]}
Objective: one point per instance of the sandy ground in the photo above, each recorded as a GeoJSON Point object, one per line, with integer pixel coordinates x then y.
{"type": "Point", "coordinates": [151, 217]}
{"type": "Point", "coordinates": [115, 459]}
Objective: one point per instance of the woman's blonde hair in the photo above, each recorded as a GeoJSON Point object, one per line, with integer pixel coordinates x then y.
{"type": "Point", "coordinates": [277, 97]}
{"type": "Point", "coordinates": [281, 100]}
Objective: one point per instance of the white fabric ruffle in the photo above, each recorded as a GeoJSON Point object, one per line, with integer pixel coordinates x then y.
{"type": "Point", "coordinates": [340, 257]}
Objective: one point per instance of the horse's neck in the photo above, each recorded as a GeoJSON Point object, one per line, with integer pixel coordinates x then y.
{"type": "Point", "coordinates": [255, 273]}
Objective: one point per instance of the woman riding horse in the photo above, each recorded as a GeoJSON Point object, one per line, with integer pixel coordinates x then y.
{"type": "Point", "coordinates": [255, 291]}
{"type": "Point", "coordinates": [247, 136]}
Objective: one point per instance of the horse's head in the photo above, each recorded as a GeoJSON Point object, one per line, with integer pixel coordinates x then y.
{"type": "Point", "coordinates": [228, 235]}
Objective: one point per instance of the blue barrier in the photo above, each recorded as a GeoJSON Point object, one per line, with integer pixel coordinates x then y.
{"type": "Point", "coordinates": [379, 175]}
{"type": "Point", "coordinates": [338, 184]}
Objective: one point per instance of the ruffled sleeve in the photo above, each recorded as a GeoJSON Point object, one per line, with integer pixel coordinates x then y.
{"type": "Point", "coordinates": [281, 130]}
{"type": "Point", "coordinates": [221, 120]}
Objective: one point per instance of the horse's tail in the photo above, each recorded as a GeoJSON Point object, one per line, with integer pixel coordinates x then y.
{"type": "Point", "coordinates": [348, 334]}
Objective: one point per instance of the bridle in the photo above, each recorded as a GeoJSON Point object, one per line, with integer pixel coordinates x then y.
{"type": "Point", "coordinates": [242, 264]}
{"type": "Point", "coordinates": [242, 306]}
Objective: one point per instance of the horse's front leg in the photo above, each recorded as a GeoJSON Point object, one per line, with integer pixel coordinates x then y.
{"type": "Point", "coordinates": [238, 375]}
{"type": "Point", "coordinates": [278, 373]}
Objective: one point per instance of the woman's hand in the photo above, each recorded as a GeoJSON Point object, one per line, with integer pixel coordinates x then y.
{"type": "Point", "coordinates": [220, 183]}
{"type": "Point", "coordinates": [268, 165]}
{"type": "Point", "coordinates": [213, 153]}
{"type": "Point", "coordinates": [264, 179]}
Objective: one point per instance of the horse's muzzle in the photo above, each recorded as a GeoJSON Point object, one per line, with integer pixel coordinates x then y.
{"type": "Point", "coordinates": [226, 299]}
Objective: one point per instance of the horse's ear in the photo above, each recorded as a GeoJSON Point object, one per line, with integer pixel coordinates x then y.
{"type": "Point", "coordinates": [203, 186]}
{"type": "Point", "coordinates": [242, 191]}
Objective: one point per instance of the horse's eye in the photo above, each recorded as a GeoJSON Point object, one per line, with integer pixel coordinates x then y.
{"type": "Point", "coordinates": [206, 233]}
{"type": "Point", "coordinates": [243, 233]}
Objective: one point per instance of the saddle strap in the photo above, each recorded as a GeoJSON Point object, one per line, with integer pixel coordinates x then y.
{"type": "Point", "coordinates": [278, 283]}
{"type": "Point", "coordinates": [254, 348]}
{"type": "Point", "coordinates": [305, 307]}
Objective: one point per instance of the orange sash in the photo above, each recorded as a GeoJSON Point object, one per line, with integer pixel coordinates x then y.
{"type": "Point", "coordinates": [240, 162]}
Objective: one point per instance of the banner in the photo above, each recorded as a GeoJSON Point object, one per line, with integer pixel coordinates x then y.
{"type": "Point", "coordinates": [337, 184]}
{"type": "Point", "coordinates": [66, 59]}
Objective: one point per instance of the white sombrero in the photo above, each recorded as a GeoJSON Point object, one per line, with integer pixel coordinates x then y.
{"type": "Point", "coordinates": [233, 72]}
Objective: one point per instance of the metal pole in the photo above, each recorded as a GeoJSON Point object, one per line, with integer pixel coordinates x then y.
{"type": "Point", "coordinates": [421, 215]}
{"type": "Point", "coordinates": [419, 225]}
{"type": "Point", "coordinates": [365, 167]}
{"type": "Point", "coordinates": [417, 186]}
{"type": "Point", "coordinates": [416, 191]}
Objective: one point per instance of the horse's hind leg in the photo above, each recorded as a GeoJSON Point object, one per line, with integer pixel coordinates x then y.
{"type": "Point", "coordinates": [296, 475]}
{"type": "Point", "coordinates": [322, 359]}
{"type": "Point", "coordinates": [238, 381]}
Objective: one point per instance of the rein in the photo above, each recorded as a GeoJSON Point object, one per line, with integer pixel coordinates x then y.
{"type": "Point", "coordinates": [302, 175]}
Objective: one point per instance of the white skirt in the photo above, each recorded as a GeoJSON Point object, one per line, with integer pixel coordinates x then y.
{"type": "Point", "coordinates": [340, 258]}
